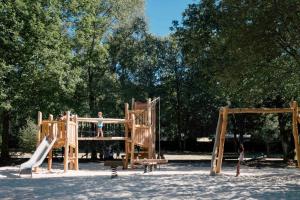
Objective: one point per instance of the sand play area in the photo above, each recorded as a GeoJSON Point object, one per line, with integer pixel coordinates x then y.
{"type": "Point", "coordinates": [171, 181]}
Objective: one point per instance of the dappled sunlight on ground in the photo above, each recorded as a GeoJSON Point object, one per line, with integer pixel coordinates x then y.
{"type": "Point", "coordinates": [180, 181]}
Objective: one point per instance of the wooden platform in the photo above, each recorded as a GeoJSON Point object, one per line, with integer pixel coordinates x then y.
{"type": "Point", "coordinates": [102, 138]}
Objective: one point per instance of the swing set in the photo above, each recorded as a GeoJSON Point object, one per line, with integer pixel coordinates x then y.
{"type": "Point", "coordinates": [218, 149]}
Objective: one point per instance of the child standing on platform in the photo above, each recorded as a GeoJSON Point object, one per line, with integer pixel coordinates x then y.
{"type": "Point", "coordinates": [100, 125]}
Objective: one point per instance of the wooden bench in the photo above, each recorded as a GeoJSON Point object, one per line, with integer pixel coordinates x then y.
{"type": "Point", "coordinates": [149, 164]}
{"type": "Point", "coordinates": [145, 161]}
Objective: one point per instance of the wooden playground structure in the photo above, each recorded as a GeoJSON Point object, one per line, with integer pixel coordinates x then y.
{"type": "Point", "coordinates": [139, 128]}
{"type": "Point", "coordinates": [218, 149]}
{"type": "Point", "coordinates": [65, 134]}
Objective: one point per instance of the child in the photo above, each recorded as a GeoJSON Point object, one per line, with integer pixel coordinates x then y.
{"type": "Point", "coordinates": [100, 125]}
{"type": "Point", "coordinates": [240, 159]}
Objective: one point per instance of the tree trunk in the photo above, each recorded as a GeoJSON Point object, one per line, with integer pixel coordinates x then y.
{"type": "Point", "coordinates": [284, 136]}
{"type": "Point", "coordinates": [5, 134]}
{"type": "Point", "coordinates": [178, 110]}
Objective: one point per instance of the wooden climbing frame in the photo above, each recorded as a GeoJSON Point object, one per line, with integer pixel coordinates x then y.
{"type": "Point", "coordinates": [139, 130]}
{"type": "Point", "coordinates": [139, 127]}
{"type": "Point", "coordinates": [218, 149]}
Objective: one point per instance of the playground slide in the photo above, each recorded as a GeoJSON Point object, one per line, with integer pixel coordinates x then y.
{"type": "Point", "coordinates": [38, 156]}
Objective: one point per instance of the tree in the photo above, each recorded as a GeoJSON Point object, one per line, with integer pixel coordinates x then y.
{"type": "Point", "coordinates": [237, 45]}
{"type": "Point", "coordinates": [91, 23]}
{"type": "Point", "coordinates": [201, 47]}
{"type": "Point", "coordinates": [34, 47]}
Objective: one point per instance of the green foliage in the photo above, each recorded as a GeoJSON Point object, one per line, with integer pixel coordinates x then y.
{"type": "Point", "coordinates": [88, 56]}
{"type": "Point", "coordinates": [249, 52]}
{"type": "Point", "coordinates": [27, 137]}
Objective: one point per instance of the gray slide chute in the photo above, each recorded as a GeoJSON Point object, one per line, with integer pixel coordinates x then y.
{"type": "Point", "coordinates": [38, 156]}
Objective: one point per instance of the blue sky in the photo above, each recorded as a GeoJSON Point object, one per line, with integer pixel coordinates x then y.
{"type": "Point", "coordinates": [161, 13]}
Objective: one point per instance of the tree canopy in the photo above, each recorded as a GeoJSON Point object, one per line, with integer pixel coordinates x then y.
{"type": "Point", "coordinates": [87, 56]}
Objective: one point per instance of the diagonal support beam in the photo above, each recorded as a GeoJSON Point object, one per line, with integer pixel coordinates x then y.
{"type": "Point", "coordinates": [216, 144]}
{"type": "Point", "coordinates": [222, 139]}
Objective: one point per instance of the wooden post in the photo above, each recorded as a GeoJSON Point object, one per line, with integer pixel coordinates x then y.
{"type": "Point", "coordinates": [66, 154]}
{"type": "Point", "coordinates": [51, 135]}
{"type": "Point", "coordinates": [216, 144]}
{"type": "Point", "coordinates": [38, 136]}
{"type": "Point", "coordinates": [295, 131]}
{"type": "Point", "coordinates": [76, 144]}
{"type": "Point", "coordinates": [153, 127]}
{"type": "Point", "coordinates": [222, 139]}
{"type": "Point", "coordinates": [132, 141]}
{"type": "Point", "coordinates": [149, 128]}
{"type": "Point", "coordinates": [71, 157]}
{"type": "Point", "coordinates": [126, 134]}
{"type": "Point", "coordinates": [40, 119]}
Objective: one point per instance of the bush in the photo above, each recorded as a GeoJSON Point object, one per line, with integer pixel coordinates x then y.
{"type": "Point", "coordinates": [28, 136]}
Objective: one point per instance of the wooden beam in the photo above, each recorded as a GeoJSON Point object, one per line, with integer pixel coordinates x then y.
{"type": "Point", "coordinates": [149, 123]}
{"type": "Point", "coordinates": [222, 139]}
{"type": "Point", "coordinates": [153, 126]}
{"type": "Point", "coordinates": [104, 120]}
{"type": "Point", "coordinates": [216, 144]}
{"type": "Point", "coordinates": [50, 152]}
{"type": "Point", "coordinates": [259, 110]}
{"type": "Point", "coordinates": [140, 126]}
{"type": "Point", "coordinates": [40, 119]}
{"type": "Point", "coordinates": [76, 144]}
{"type": "Point", "coordinates": [102, 138]}
{"type": "Point", "coordinates": [71, 157]}
{"type": "Point", "coordinates": [126, 135]}
{"type": "Point", "coordinates": [295, 131]}
{"type": "Point", "coordinates": [66, 153]}
{"type": "Point", "coordinates": [132, 141]}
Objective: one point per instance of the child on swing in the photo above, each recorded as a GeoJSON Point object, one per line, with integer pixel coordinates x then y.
{"type": "Point", "coordinates": [100, 125]}
{"type": "Point", "coordinates": [240, 159]}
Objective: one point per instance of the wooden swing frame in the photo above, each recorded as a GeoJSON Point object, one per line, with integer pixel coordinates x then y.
{"type": "Point", "coordinates": [218, 149]}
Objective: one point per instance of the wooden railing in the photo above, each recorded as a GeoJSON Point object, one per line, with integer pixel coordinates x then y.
{"type": "Point", "coordinates": [58, 130]}
{"type": "Point", "coordinates": [141, 117]}
{"type": "Point", "coordinates": [112, 128]}
{"type": "Point", "coordinates": [53, 129]}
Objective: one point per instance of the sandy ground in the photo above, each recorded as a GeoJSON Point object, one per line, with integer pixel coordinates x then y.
{"type": "Point", "coordinates": [171, 181]}
{"type": "Point", "coordinates": [190, 156]}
